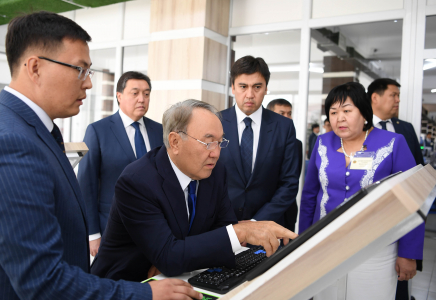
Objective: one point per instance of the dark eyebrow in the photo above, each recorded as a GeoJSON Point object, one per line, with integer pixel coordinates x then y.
{"type": "Point", "coordinates": [84, 63]}
{"type": "Point", "coordinates": [208, 135]}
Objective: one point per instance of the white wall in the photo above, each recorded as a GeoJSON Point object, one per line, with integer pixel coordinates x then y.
{"type": "Point", "coordinates": [255, 12]}
{"type": "Point", "coordinates": [334, 8]}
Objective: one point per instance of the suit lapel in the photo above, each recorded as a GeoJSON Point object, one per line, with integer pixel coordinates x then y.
{"type": "Point", "coordinates": [231, 133]}
{"type": "Point", "coordinates": [397, 126]}
{"type": "Point", "coordinates": [120, 133]}
{"type": "Point", "coordinates": [151, 133]}
{"type": "Point", "coordinates": [267, 129]}
{"type": "Point", "coordinates": [29, 116]}
{"type": "Point", "coordinates": [173, 192]}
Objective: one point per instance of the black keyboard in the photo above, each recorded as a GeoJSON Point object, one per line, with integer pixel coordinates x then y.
{"type": "Point", "coordinates": [221, 279]}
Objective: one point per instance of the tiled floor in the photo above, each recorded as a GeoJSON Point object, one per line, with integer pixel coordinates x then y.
{"type": "Point", "coordinates": [424, 283]}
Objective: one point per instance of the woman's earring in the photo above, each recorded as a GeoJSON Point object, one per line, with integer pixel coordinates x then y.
{"type": "Point", "coordinates": [366, 122]}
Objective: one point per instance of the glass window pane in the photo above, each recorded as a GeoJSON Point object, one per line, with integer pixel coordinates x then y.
{"type": "Point", "coordinates": [281, 51]}
{"type": "Point", "coordinates": [135, 58]}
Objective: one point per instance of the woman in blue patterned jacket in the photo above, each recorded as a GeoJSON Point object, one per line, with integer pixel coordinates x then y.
{"type": "Point", "coordinates": [330, 181]}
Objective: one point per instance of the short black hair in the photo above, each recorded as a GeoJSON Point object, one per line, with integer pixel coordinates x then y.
{"type": "Point", "coordinates": [250, 65]}
{"type": "Point", "coordinates": [315, 125]}
{"type": "Point", "coordinates": [122, 82]}
{"type": "Point", "coordinates": [357, 94]}
{"type": "Point", "coordinates": [279, 101]}
{"type": "Point", "coordinates": [380, 85]}
{"type": "Point", "coordinates": [43, 30]}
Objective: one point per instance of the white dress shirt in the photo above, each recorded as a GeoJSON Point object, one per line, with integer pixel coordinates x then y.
{"type": "Point", "coordinates": [256, 118]}
{"type": "Point", "coordinates": [184, 184]}
{"type": "Point", "coordinates": [389, 126]}
{"type": "Point", "coordinates": [130, 130]}
{"type": "Point", "coordinates": [45, 119]}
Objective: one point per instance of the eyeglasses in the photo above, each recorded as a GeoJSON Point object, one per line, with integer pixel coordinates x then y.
{"type": "Point", "coordinates": [83, 73]}
{"type": "Point", "coordinates": [212, 145]}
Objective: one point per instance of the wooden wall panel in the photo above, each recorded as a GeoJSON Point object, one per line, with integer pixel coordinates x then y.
{"type": "Point", "coordinates": [177, 14]}
{"type": "Point", "coordinates": [162, 100]}
{"type": "Point", "coordinates": [217, 16]}
{"type": "Point", "coordinates": [216, 99]}
{"type": "Point", "coordinates": [214, 66]}
{"type": "Point", "coordinates": [177, 59]}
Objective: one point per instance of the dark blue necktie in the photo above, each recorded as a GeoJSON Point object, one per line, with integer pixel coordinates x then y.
{"type": "Point", "coordinates": [247, 148]}
{"type": "Point", "coordinates": [192, 201]}
{"type": "Point", "coordinates": [383, 125]}
{"type": "Point", "coordinates": [140, 147]}
{"type": "Point", "coordinates": [56, 133]}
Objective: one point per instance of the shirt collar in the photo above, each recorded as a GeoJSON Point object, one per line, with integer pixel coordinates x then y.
{"type": "Point", "coordinates": [184, 180]}
{"type": "Point", "coordinates": [256, 117]}
{"type": "Point", "coordinates": [127, 121]}
{"type": "Point", "coordinates": [42, 115]}
{"type": "Point", "coordinates": [376, 120]}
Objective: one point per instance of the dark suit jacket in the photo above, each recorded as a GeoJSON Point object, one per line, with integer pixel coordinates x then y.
{"type": "Point", "coordinates": [273, 184]}
{"type": "Point", "coordinates": [43, 233]}
{"type": "Point", "coordinates": [406, 129]}
{"type": "Point", "coordinates": [312, 140]}
{"type": "Point", "coordinates": [109, 153]}
{"type": "Point", "coordinates": [292, 212]}
{"type": "Point", "coordinates": [148, 223]}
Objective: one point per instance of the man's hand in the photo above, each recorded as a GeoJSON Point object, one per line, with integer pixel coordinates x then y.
{"type": "Point", "coordinates": [406, 268]}
{"type": "Point", "coordinates": [264, 233]}
{"type": "Point", "coordinates": [93, 246]}
{"type": "Point", "coordinates": [153, 271]}
{"type": "Point", "coordinates": [173, 289]}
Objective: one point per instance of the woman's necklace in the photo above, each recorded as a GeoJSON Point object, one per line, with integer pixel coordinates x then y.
{"type": "Point", "coordinates": [361, 149]}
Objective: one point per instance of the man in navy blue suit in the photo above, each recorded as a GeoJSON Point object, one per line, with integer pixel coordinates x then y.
{"type": "Point", "coordinates": [171, 210]}
{"type": "Point", "coordinates": [262, 160]}
{"type": "Point", "coordinates": [44, 250]}
{"type": "Point", "coordinates": [112, 147]}
{"type": "Point", "coordinates": [284, 108]}
{"type": "Point", "coordinates": [384, 94]}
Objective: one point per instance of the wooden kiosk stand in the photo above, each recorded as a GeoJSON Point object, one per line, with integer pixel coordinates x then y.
{"type": "Point", "coordinates": [75, 152]}
{"type": "Point", "coordinates": [391, 210]}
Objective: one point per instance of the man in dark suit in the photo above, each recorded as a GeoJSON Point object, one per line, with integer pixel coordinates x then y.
{"type": "Point", "coordinates": [312, 139]}
{"type": "Point", "coordinates": [113, 143]}
{"type": "Point", "coordinates": [176, 216]}
{"type": "Point", "coordinates": [384, 94]}
{"type": "Point", "coordinates": [262, 160]}
{"type": "Point", "coordinates": [44, 251]}
{"type": "Point", "coordinates": [284, 107]}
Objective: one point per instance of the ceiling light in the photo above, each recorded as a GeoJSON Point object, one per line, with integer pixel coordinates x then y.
{"type": "Point", "coordinates": [429, 63]}
{"type": "Point", "coordinates": [395, 21]}
{"type": "Point", "coordinates": [433, 91]}
{"type": "Point", "coordinates": [266, 33]}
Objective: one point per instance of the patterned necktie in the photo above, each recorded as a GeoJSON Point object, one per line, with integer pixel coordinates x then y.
{"type": "Point", "coordinates": [247, 149]}
{"type": "Point", "coordinates": [383, 124]}
{"type": "Point", "coordinates": [56, 133]}
{"type": "Point", "coordinates": [140, 147]}
{"type": "Point", "coordinates": [192, 201]}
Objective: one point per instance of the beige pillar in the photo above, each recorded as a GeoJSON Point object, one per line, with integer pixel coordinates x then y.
{"type": "Point", "coordinates": [187, 52]}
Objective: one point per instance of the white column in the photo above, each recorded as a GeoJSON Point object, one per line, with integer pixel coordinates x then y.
{"type": "Point", "coordinates": [119, 55]}
{"type": "Point", "coordinates": [300, 115]}
{"type": "Point", "coordinates": [412, 56]}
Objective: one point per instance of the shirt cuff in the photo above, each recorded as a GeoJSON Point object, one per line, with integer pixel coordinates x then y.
{"type": "Point", "coordinates": [236, 246]}
{"type": "Point", "coordinates": [97, 235]}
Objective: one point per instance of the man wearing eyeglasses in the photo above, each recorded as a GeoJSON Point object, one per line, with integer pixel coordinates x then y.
{"type": "Point", "coordinates": [171, 211]}
{"type": "Point", "coordinates": [44, 251]}
{"type": "Point", "coordinates": [114, 142]}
